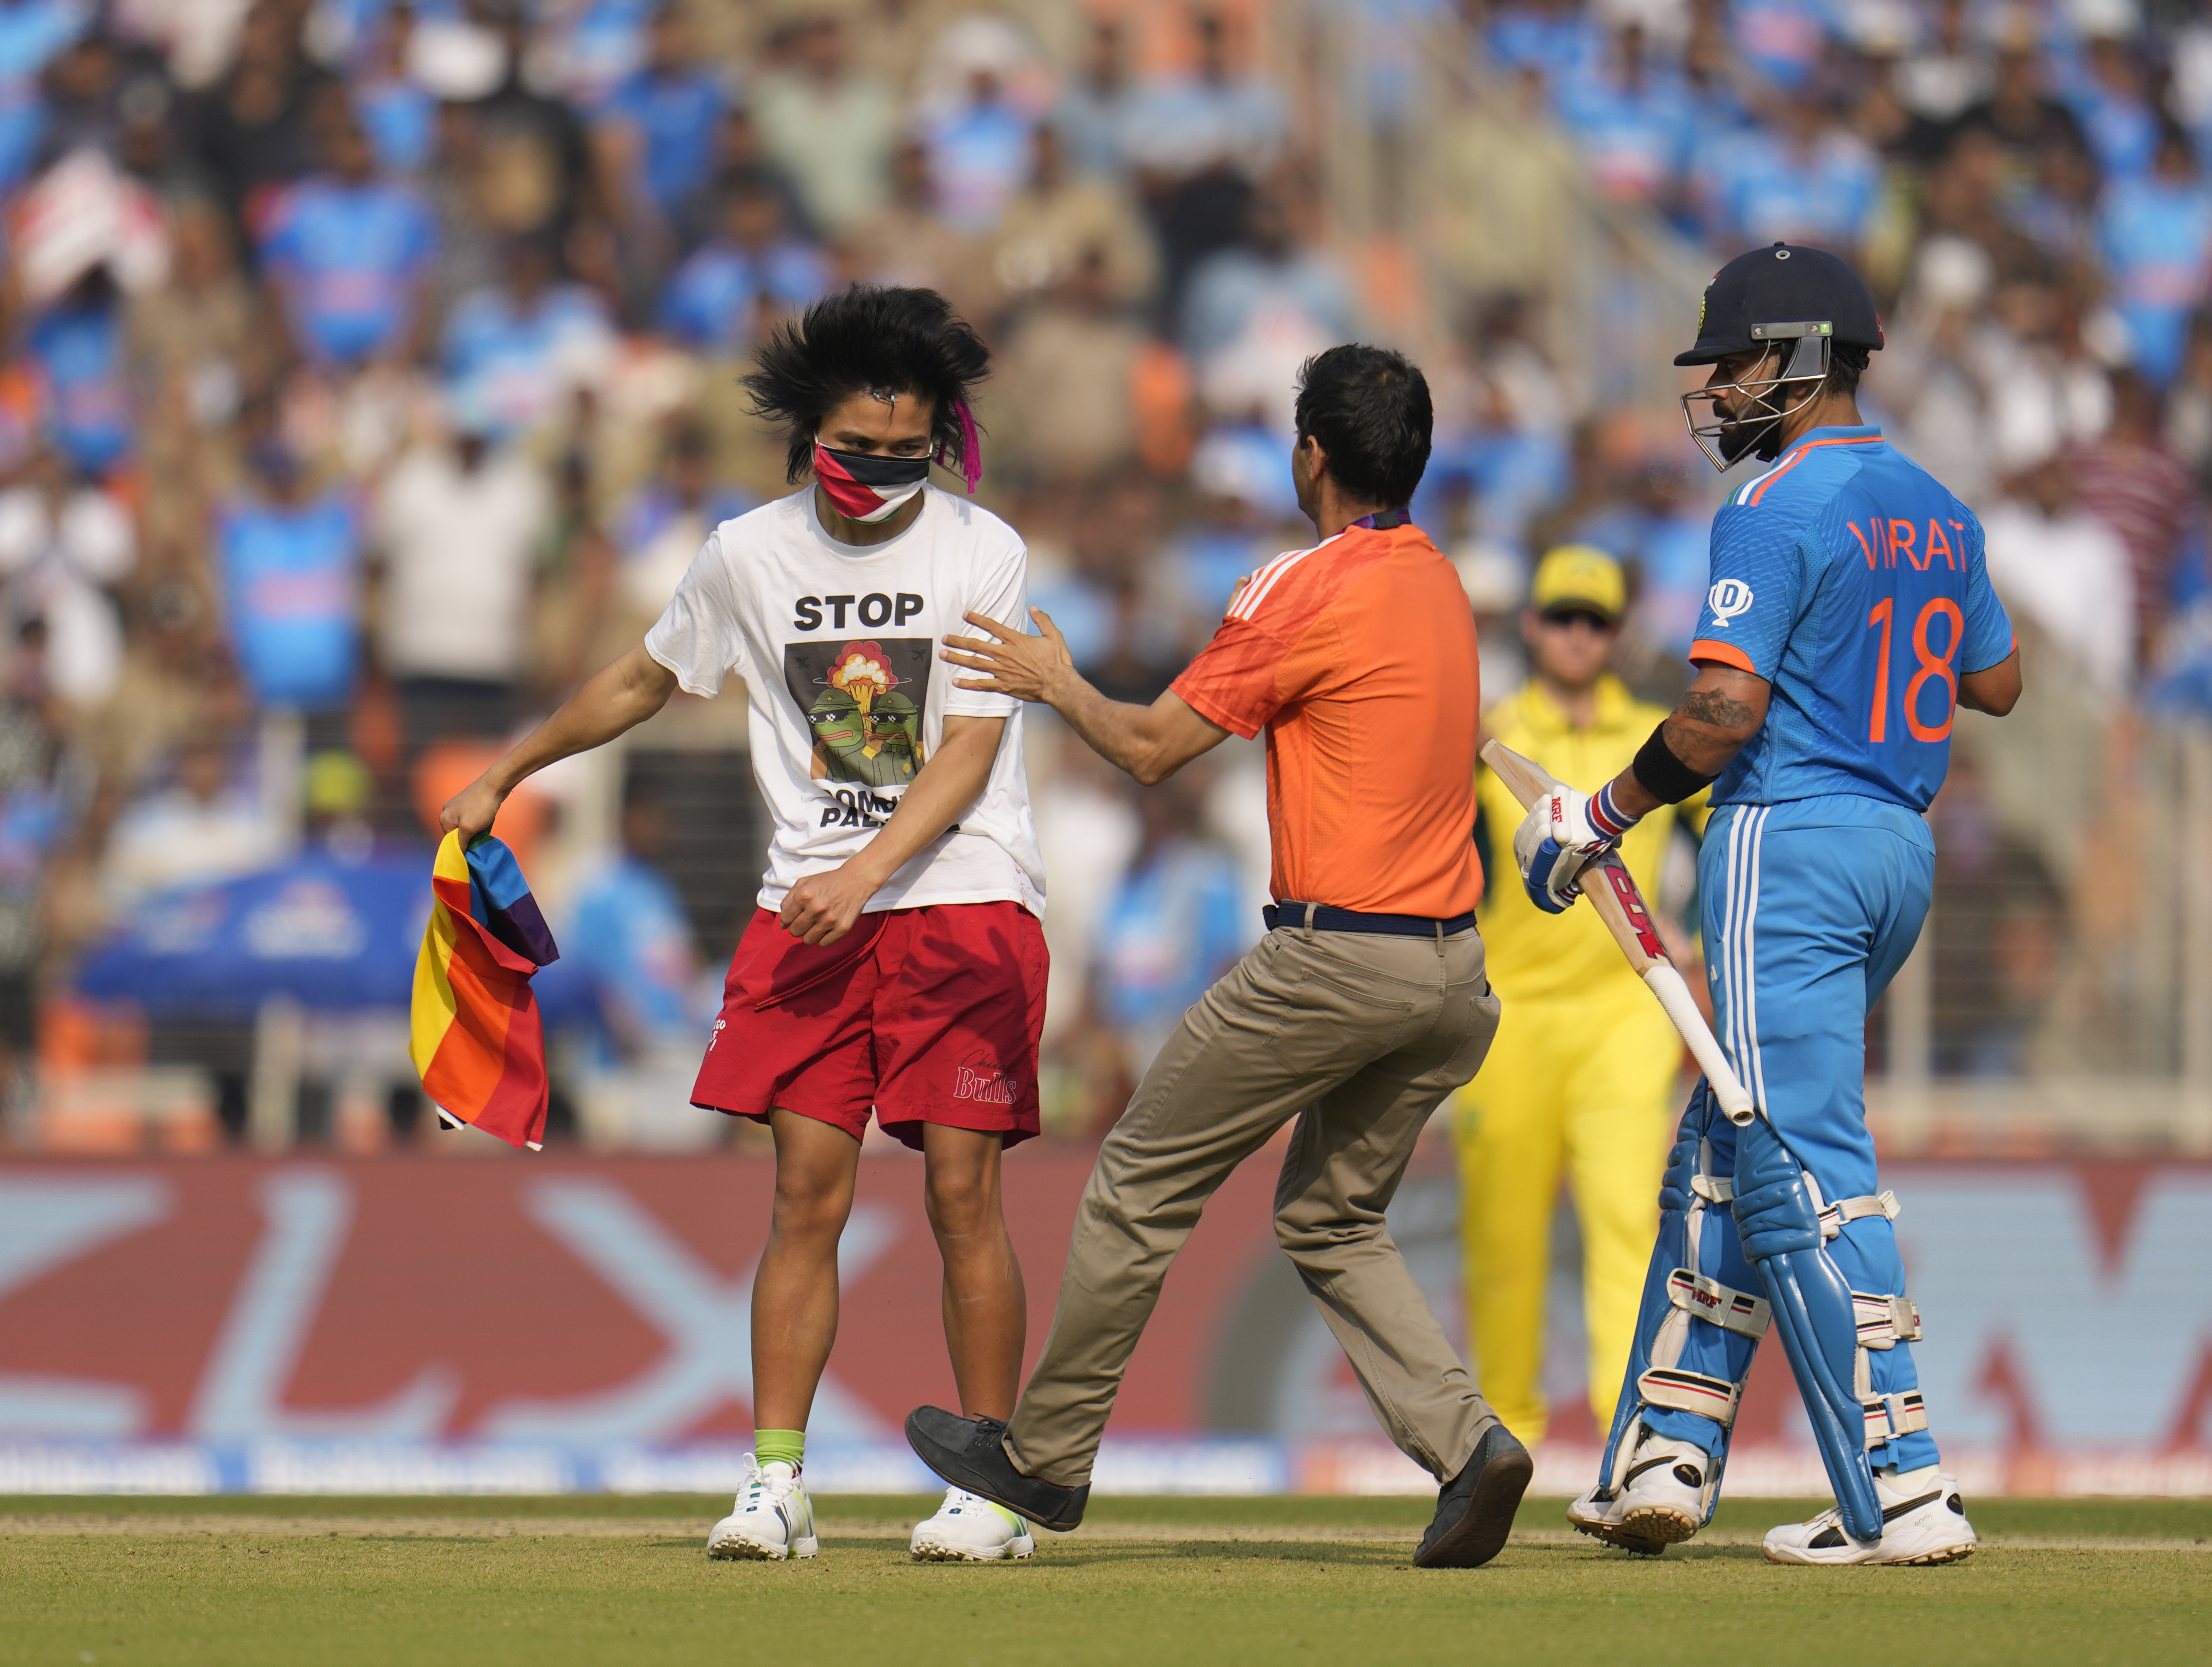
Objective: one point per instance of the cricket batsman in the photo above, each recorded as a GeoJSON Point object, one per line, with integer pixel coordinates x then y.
{"type": "Point", "coordinates": [1850, 617]}
{"type": "Point", "coordinates": [1582, 1075]}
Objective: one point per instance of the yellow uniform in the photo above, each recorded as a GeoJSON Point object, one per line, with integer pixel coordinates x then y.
{"type": "Point", "coordinates": [1582, 1073]}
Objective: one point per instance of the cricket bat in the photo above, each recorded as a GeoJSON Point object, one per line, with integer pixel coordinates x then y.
{"type": "Point", "coordinates": [1612, 891]}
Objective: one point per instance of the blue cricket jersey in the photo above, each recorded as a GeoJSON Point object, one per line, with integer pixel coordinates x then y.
{"type": "Point", "coordinates": [1852, 580]}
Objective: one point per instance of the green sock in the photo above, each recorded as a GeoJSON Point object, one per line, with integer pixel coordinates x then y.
{"type": "Point", "coordinates": [787, 1446]}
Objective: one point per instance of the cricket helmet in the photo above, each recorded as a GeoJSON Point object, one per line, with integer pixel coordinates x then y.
{"type": "Point", "coordinates": [1792, 305]}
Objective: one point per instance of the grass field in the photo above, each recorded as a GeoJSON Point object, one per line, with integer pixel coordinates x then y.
{"type": "Point", "coordinates": [1159, 1583]}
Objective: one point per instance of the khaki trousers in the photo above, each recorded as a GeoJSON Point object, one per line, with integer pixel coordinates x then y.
{"type": "Point", "coordinates": [1358, 1037]}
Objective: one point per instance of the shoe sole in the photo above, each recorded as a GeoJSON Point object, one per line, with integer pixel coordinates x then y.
{"type": "Point", "coordinates": [934, 1550]}
{"type": "Point", "coordinates": [1614, 1535]}
{"type": "Point", "coordinates": [1934, 1559]}
{"type": "Point", "coordinates": [1480, 1533]}
{"type": "Point", "coordinates": [734, 1550]}
{"type": "Point", "coordinates": [1658, 1525]}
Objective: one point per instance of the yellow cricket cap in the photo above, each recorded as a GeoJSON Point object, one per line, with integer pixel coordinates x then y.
{"type": "Point", "coordinates": [1580, 576]}
{"type": "Point", "coordinates": [337, 783]}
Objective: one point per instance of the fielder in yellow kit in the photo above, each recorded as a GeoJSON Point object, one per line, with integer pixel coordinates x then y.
{"type": "Point", "coordinates": [1583, 1071]}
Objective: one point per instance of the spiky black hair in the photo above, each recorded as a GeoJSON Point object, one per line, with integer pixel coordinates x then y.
{"type": "Point", "coordinates": [901, 341]}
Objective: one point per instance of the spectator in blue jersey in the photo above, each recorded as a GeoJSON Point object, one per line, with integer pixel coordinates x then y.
{"type": "Point", "coordinates": [1634, 121]}
{"type": "Point", "coordinates": [513, 348]}
{"type": "Point", "coordinates": [713, 301]}
{"type": "Point", "coordinates": [660, 530]}
{"type": "Point", "coordinates": [600, 46]}
{"type": "Point", "coordinates": [32, 31]}
{"type": "Point", "coordinates": [1173, 924]}
{"type": "Point", "coordinates": [1814, 182]}
{"type": "Point", "coordinates": [2155, 233]}
{"type": "Point", "coordinates": [76, 353]}
{"type": "Point", "coordinates": [1220, 119]}
{"type": "Point", "coordinates": [1097, 111]}
{"type": "Point", "coordinates": [1784, 39]}
{"type": "Point", "coordinates": [1552, 36]}
{"type": "Point", "coordinates": [1242, 483]}
{"type": "Point", "coordinates": [632, 939]}
{"type": "Point", "coordinates": [1268, 271]}
{"type": "Point", "coordinates": [289, 563]}
{"type": "Point", "coordinates": [351, 255]}
{"type": "Point", "coordinates": [979, 156]}
{"type": "Point", "coordinates": [400, 117]}
{"type": "Point", "coordinates": [2112, 104]}
{"type": "Point", "coordinates": [667, 114]}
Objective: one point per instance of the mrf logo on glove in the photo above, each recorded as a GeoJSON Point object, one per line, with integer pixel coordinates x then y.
{"type": "Point", "coordinates": [1564, 833]}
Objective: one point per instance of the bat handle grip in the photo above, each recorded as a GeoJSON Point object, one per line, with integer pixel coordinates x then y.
{"type": "Point", "coordinates": [1674, 996]}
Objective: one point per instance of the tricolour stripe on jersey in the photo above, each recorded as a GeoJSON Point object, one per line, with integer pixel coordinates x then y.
{"type": "Point", "coordinates": [1753, 491]}
{"type": "Point", "coordinates": [1247, 601]}
{"type": "Point", "coordinates": [1743, 492]}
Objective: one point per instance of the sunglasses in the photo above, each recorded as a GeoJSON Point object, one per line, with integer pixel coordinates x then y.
{"type": "Point", "coordinates": [1563, 618]}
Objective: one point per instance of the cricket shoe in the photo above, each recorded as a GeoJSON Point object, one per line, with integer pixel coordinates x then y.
{"type": "Point", "coordinates": [1923, 1521]}
{"type": "Point", "coordinates": [969, 1529]}
{"type": "Point", "coordinates": [772, 1519]}
{"type": "Point", "coordinates": [1597, 1513]}
{"type": "Point", "coordinates": [1664, 1498]}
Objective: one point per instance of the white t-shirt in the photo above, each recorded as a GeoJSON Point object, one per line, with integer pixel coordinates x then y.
{"type": "Point", "coordinates": [460, 554]}
{"type": "Point", "coordinates": [837, 644]}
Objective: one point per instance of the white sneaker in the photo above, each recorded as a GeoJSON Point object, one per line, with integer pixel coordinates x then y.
{"type": "Point", "coordinates": [1597, 1513]}
{"type": "Point", "coordinates": [772, 1519]}
{"type": "Point", "coordinates": [1665, 1498]}
{"type": "Point", "coordinates": [969, 1529]}
{"type": "Point", "coordinates": [1923, 1520]}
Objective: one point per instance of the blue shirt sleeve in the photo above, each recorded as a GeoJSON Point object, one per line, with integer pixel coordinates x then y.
{"type": "Point", "coordinates": [1989, 632]}
{"type": "Point", "coordinates": [421, 241]}
{"type": "Point", "coordinates": [281, 234]}
{"type": "Point", "coordinates": [686, 310]}
{"type": "Point", "coordinates": [1755, 582]}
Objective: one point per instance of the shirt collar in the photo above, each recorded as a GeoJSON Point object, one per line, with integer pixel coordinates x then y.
{"type": "Point", "coordinates": [1542, 714]}
{"type": "Point", "coordinates": [1838, 431]}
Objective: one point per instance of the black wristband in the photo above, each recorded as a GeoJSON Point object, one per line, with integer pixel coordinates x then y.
{"type": "Point", "coordinates": [1663, 775]}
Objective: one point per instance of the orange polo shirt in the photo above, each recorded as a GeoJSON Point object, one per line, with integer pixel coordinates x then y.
{"type": "Point", "coordinates": [1358, 657]}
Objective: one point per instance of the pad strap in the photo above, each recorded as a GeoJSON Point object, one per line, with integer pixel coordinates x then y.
{"type": "Point", "coordinates": [1691, 1391]}
{"type": "Point", "coordinates": [1889, 1416]}
{"type": "Point", "coordinates": [1885, 1321]}
{"type": "Point", "coordinates": [1716, 1304]}
{"type": "Point", "coordinates": [1713, 1189]}
{"type": "Point", "coordinates": [1834, 1217]}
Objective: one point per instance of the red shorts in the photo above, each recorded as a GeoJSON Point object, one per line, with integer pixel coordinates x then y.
{"type": "Point", "coordinates": [925, 1015]}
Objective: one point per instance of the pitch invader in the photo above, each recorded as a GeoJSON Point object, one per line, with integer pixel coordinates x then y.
{"type": "Point", "coordinates": [894, 962]}
{"type": "Point", "coordinates": [1850, 615]}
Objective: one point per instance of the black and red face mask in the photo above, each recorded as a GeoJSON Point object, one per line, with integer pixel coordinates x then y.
{"type": "Point", "coordinates": [866, 487]}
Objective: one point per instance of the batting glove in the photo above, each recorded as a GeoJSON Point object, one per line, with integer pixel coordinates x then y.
{"type": "Point", "coordinates": [1564, 833]}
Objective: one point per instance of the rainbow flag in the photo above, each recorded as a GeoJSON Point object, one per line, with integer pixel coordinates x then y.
{"type": "Point", "coordinates": [476, 1037]}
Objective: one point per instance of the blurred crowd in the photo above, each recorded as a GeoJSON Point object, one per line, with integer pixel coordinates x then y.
{"type": "Point", "coordinates": [369, 377]}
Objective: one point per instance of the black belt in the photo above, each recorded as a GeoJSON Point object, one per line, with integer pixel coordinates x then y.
{"type": "Point", "coordinates": [1324, 917]}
